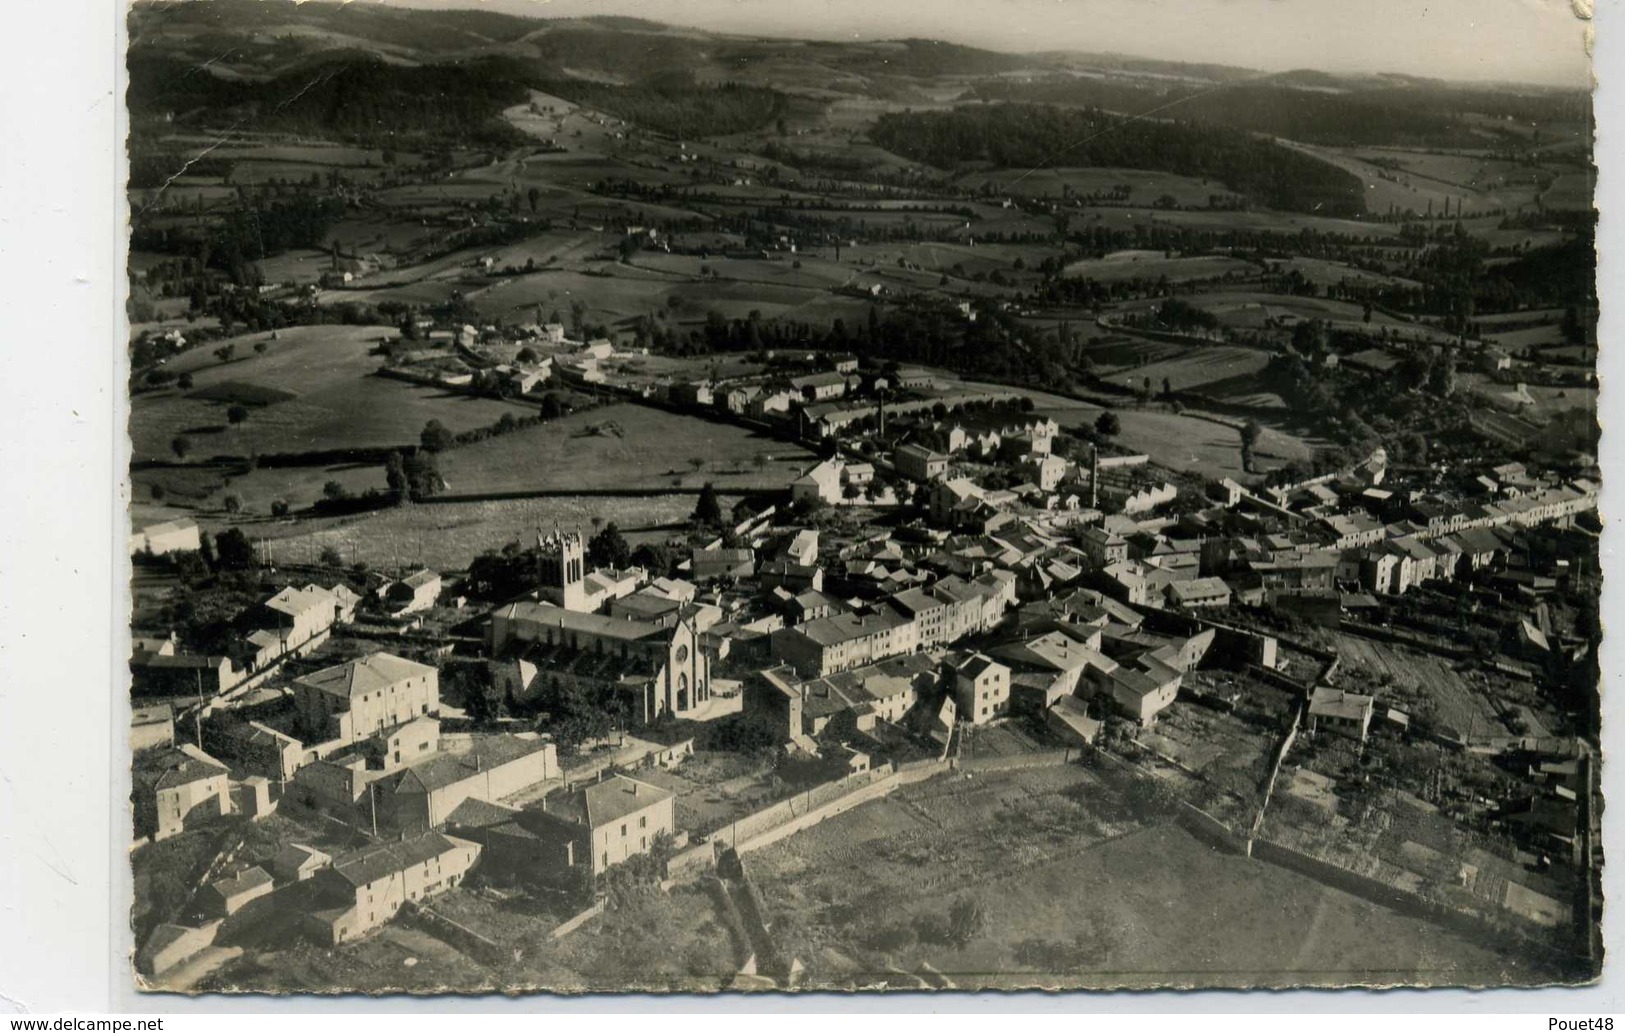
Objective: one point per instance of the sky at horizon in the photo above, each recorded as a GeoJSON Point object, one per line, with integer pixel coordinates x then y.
{"type": "Point", "coordinates": [1532, 41]}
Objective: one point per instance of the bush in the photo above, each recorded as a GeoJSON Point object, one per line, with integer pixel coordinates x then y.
{"type": "Point", "coordinates": [890, 938]}
{"type": "Point", "coordinates": [933, 929]}
{"type": "Point", "coordinates": [966, 920]}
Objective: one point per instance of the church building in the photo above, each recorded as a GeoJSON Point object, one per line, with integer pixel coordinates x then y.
{"type": "Point", "coordinates": [650, 669]}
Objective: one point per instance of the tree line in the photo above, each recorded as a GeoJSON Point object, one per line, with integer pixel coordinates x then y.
{"type": "Point", "coordinates": [1040, 136]}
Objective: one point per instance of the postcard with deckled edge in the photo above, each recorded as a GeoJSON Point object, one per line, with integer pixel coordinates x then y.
{"type": "Point", "coordinates": [783, 500]}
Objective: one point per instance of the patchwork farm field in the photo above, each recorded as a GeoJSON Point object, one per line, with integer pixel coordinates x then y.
{"type": "Point", "coordinates": [328, 399]}
{"type": "Point", "coordinates": [1036, 852]}
{"type": "Point", "coordinates": [611, 298]}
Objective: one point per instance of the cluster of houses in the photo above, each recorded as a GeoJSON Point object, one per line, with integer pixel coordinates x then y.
{"type": "Point", "coordinates": [1023, 598]}
{"type": "Point", "coordinates": [545, 356]}
{"type": "Point", "coordinates": [289, 624]}
{"type": "Point", "coordinates": [365, 748]}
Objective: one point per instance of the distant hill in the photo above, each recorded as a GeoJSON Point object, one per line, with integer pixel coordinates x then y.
{"type": "Point", "coordinates": [232, 59]}
{"type": "Point", "coordinates": [1314, 107]}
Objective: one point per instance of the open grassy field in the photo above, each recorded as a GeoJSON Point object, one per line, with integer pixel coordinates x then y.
{"type": "Point", "coordinates": [1153, 265]}
{"type": "Point", "coordinates": [298, 266]}
{"type": "Point", "coordinates": [1076, 892]}
{"type": "Point", "coordinates": [1486, 182]}
{"type": "Point", "coordinates": [563, 246]}
{"type": "Point", "coordinates": [621, 294]}
{"type": "Point", "coordinates": [1321, 272]}
{"type": "Point", "coordinates": [624, 446]}
{"type": "Point", "coordinates": [1515, 341]}
{"type": "Point", "coordinates": [204, 488]}
{"type": "Point", "coordinates": [1219, 370]}
{"type": "Point", "coordinates": [1185, 442]}
{"type": "Point", "coordinates": [336, 401]}
{"type": "Point", "coordinates": [447, 536]}
{"type": "Point", "coordinates": [967, 259]}
{"type": "Point", "coordinates": [1571, 190]}
{"type": "Point", "coordinates": [1179, 441]}
{"type": "Point", "coordinates": [1411, 189]}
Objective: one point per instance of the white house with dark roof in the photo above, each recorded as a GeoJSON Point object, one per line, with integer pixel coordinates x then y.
{"type": "Point", "coordinates": [1346, 713]}
{"type": "Point", "coordinates": [981, 689]}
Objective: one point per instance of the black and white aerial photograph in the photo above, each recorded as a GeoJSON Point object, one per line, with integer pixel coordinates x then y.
{"type": "Point", "coordinates": [727, 496]}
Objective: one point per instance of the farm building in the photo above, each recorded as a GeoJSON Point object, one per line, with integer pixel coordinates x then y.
{"type": "Point", "coordinates": [182, 675]}
{"type": "Point", "coordinates": [1199, 593]}
{"type": "Point", "coordinates": [167, 537]}
{"type": "Point", "coordinates": [1346, 713]}
{"type": "Point", "coordinates": [819, 387]}
{"type": "Point", "coordinates": [296, 863]}
{"type": "Point", "coordinates": [228, 896]}
{"type": "Point", "coordinates": [412, 594]}
{"type": "Point", "coordinates": [1069, 718]}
